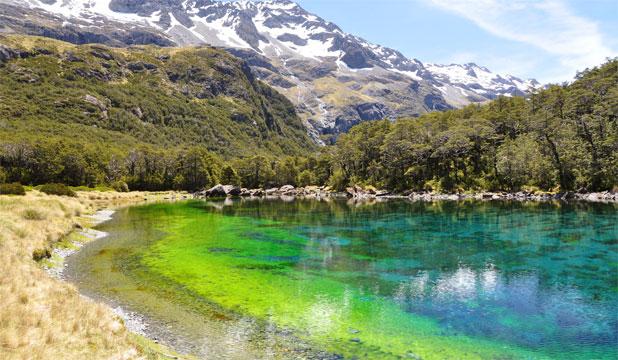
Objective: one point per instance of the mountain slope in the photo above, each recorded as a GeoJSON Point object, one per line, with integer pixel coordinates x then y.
{"type": "Point", "coordinates": [164, 98]}
{"type": "Point", "coordinates": [335, 79]}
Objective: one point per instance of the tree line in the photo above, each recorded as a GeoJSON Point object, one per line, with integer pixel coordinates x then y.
{"type": "Point", "coordinates": [561, 138]}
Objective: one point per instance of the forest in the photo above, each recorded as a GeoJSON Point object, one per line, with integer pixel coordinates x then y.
{"type": "Point", "coordinates": [560, 138]}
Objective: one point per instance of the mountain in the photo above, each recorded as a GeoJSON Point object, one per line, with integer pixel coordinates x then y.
{"type": "Point", "coordinates": [117, 100]}
{"type": "Point", "coordinates": [335, 79]}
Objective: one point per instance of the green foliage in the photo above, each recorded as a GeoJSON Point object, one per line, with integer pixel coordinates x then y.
{"type": "Point", "coordinates": [338, 181]}
{"type": "Point", "coordinates": [120, 186]}
{"type": "Point", "coordinates": [40, 254]}
{"type": "Point", "coordinates": [229, 176]}
{"type": "Point", "coordinates": [564, 137]}
{"type": "Point", "coordinates": [67, 116]}
{"type": "Point", "coordinates": [306, 178]}
{"type": "Point", "coordinates": [191, 118]}
{"type": "Point", "coordinates": [12, 189]}
{"type": "Point", "coordinates": [520, 162]}
{"type": "Point", "coordinates": [57, 189]}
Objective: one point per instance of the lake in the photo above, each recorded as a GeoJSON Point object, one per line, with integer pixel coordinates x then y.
{"type": "Point", "coordinates": [387, 280]}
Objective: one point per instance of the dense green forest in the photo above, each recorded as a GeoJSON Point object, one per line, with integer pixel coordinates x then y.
{"type": "Point", "coordinates": [165, 118]}
{"type": "Point", "coordinates": [560, 138]}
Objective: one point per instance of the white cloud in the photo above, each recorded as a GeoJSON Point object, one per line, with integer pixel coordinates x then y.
{"type": "Point", "coordinates": [549, 25]}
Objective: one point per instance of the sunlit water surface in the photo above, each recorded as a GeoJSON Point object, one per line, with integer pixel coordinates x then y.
{"type": "Point", "coordinates": [443, 280]}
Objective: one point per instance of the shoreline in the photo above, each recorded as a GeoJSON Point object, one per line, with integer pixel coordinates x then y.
{"type": "Point", "coordinates": [44, 315]}
{"type": "Point", "coordinates": [57, 269]}
{"type": "Point", "coordinates": [160, 331]}
{"type": "Point", "coordinates": [138, 323]}
{"type": "Point", "coordinates": [358, 193]}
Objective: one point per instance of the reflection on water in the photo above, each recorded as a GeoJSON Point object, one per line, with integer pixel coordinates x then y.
{"type": "Point", "coordinates": [530, 274]}
{"type": "Point", "coordinates": [538, 277]}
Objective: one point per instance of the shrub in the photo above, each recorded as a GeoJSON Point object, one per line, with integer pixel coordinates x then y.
{"type": "Point", "coordinates": [2, 175]}
{"type": "Point", "coordinates": [40, 254]}
{"type": "Point", "coordinates": [120, 186]}
{"type": "Point", "coordinates": [57, 189]}
{"type": "Point", "coordinates": [338, 180]}
{"type": "Point", "coordinates": [306, 178]}
{"type": "Point", "coordinates": [31, 214]}
{"type": "Point", "coordinates": [12, 189]}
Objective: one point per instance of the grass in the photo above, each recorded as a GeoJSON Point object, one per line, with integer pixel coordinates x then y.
{"type": "Point", "coordinates": [44, 318]}
{"type": "Point", "coordinates": [32, 214]}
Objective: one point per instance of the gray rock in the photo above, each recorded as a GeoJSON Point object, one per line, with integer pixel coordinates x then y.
{"type": "Point", "coordinates": [96, 102]}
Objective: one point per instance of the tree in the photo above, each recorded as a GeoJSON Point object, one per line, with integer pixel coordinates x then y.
{"type": "Point", "coordinates": [306, 178]}
{"type": "Point", "coordinates": [229, 176]}
{"type": "Point", "coordinates": [198, 169]}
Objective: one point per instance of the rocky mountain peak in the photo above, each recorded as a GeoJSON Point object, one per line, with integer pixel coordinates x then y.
{"type": "Point", "coordinates": [333, 77]}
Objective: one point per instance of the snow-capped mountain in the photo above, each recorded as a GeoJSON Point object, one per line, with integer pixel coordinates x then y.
{"type": "Point", "coordinates": [336, 79]}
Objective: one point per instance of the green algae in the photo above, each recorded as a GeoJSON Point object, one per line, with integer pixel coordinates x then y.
{"type": "Point", "coordinates": [393, 280]}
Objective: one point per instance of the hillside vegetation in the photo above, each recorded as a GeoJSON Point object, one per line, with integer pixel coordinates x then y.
{"type": "Point", "coordinates": [72, 113]}
{"type": "Point", "coordinates": [162, 118]}
{"type": "Point", "coordinates": [560, 138]}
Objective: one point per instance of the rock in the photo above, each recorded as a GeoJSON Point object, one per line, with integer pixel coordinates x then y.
{"type": "Point", "coordinates": [101, 54]}
{"type": "Point", "coordinates": [140, 66]}
{"type": "Point", "coordinates": [272, 191]}
{"type": "Point", "coordinates": [257, 192]}
{"type": "Point", "coordinates": [356, 340]}
{"type": "Point", "coordinates": [96, 102]}
{"type": "Point", "coordinates": [216, 191]}
{"type": "Point", "coordinates": [7, 54]}
{"type": "Point", "coordinates": [232, 190]}
{"type": "Point", "coordinates": [137, 111]}
{"type": "Point", "coordinates": [71, 57]}
{"type": "Point", "coordinates": [286, 188]}
{"type": "Point", "coordinates": [382, 193]}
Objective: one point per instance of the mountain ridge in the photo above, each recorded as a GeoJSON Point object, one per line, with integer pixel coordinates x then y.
{"type": "Point", "coordinates": [334, 78]}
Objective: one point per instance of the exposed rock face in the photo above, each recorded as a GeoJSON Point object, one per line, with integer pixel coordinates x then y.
{"type": "Point", "coordinates": [79, 30]}
{"type": "Point", "coordinates": [7, 54]}
{"type": "Point", "coordinates": [335, 79]}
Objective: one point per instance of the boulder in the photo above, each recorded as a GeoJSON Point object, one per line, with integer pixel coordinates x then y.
{"type": "Point", "coordinates": [231, 190]}
{"type": "Point", "coordinates": [96, 102]}
{"type": "Point", "coordinates": [216, 191]}
{"type": "Point", "coordinates": [257, 192]}
{"type": "Point", "coordinates": [272, 191]}
{"type": "Point", "coordinates": [286, 188]}
{"type": "Point", "coordinates": [7, 54]}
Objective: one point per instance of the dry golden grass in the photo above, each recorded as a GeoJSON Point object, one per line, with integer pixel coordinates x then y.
{"type": "Point", "coordinates": [45, 318]}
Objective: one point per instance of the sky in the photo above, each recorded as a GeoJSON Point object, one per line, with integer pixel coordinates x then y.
{"type": "Point", "coordinates": [549, 40]}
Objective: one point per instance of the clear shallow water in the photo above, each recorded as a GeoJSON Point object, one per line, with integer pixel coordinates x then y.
{"type": "Point", "coordinates": [448, 280]}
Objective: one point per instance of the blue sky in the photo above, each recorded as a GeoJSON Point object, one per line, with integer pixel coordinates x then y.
{"type": "Point", "coordinates": [544, 39]}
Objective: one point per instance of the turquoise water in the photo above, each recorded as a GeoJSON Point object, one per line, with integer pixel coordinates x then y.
{"type": "Point", "coordinates": [482, 280]}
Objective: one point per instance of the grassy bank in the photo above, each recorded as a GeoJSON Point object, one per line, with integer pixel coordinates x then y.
{"type": "Point", "coordinates": [45, 318]}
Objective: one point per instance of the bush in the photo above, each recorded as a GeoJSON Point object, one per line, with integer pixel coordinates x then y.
{"type": "Point", "coordinates": [338, 180]}
{"type": "Point", "coordinates": [306, 178]}
{"type": "Point", "coordinates": [2, 175]}
{"type": "Point", "coordinates": [57, 189]}
{"type": "Point", "coordinates": [12, 189]}
{"type": "Point", "coordinates": [40, 254]}
{"type": "Point", "coordinates": [31, 214]}
{"type": "Point", "coordinates": [120, 186]}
